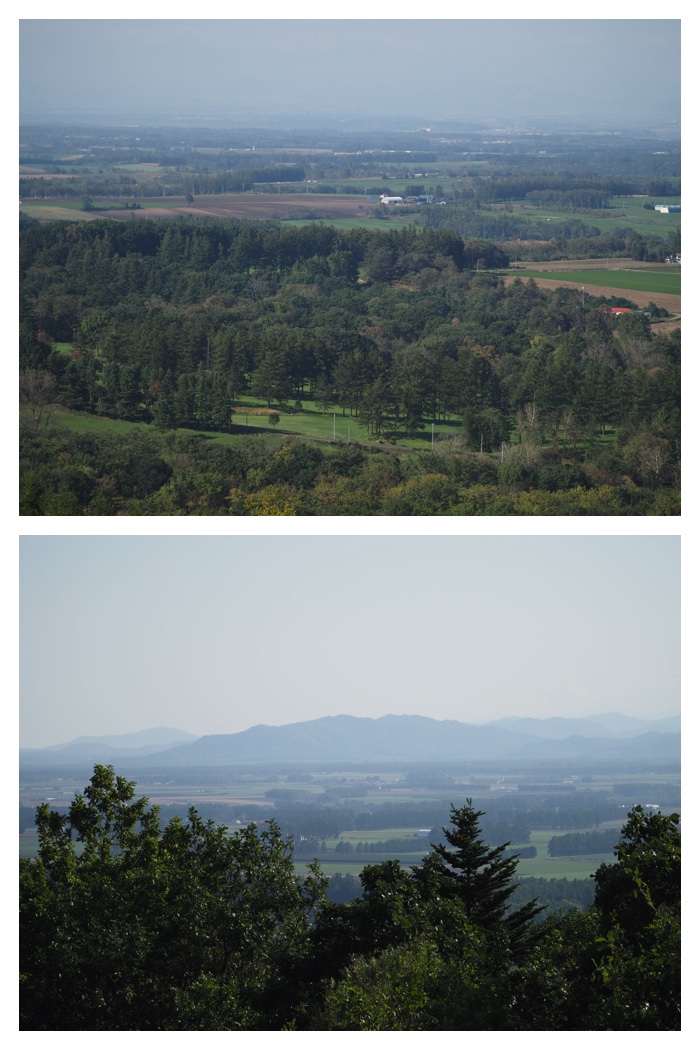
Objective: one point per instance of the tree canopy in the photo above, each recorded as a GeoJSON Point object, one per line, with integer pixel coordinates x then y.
{"type": "Point", "coordinates": [128, 925]}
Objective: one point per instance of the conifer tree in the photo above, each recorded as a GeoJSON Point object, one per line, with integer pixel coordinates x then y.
{"type": "Point", "coordinates": [479, 877]}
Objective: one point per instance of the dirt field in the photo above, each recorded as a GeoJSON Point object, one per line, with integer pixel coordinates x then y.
{"type": "Point", "coordinates": [260, 206]}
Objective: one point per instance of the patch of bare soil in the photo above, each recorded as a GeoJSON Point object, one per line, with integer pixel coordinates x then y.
{"type": "Point", "coordinates": [260, 206]}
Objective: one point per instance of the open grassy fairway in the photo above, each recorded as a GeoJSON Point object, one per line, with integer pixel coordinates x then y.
{"type": "Point", "coordinates": [83, 422]}
{"type": "Point", "coordinates": [307, 423]}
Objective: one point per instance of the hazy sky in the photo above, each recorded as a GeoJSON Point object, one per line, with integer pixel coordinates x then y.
{"type": "Point", "coordinates": [597, 68]}
{"type": "Point", "coordinates": [214, 634]}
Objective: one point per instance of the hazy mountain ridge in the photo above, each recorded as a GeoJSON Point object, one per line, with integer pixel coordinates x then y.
{"type": "Point", "coordinates": [391, 738]}
{"type": "Point", "coordinates": [110, 749]}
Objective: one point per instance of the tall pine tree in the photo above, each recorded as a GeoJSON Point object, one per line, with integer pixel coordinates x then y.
{"type": "Point", "coordinates": [479, 877]}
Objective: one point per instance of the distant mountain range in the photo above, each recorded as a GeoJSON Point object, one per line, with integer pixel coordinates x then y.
{"type": "Point", "coordinates": [392, 738]}
{"type": "Point", "coordinates": [108, 749]}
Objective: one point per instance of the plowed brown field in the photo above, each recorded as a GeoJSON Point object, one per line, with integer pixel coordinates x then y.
{"type": "Point", "coordinates": [259, 206]}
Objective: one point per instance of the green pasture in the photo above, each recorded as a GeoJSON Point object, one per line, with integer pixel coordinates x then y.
{"type": "Point", "coordinates": [563, 867]}
{"type": "Point", "coordinates": [33, 203]}
{"type": "Point", "coordinates": [645, 223]}
{"type": "Point", "coordinates": [651, 281]}
{"type": "Point", "coordinates": [625, 212]}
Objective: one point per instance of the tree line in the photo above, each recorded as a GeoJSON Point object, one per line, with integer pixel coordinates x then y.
{"type": "Point", "coordinates": [126, 925]}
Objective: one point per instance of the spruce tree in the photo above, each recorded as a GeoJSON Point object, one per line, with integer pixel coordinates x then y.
{"type": "Point", "coordinates": [479, 877]}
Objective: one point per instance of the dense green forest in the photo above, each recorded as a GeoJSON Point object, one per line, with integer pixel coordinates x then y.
{"type": "Point", "coordinates": [128, 925]}
{"type": "Point", "coordinates": [560, 407]}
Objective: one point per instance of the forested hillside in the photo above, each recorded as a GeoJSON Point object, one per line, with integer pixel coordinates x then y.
{"type": "Point", "coordinates": [170, 322]}
{"type": "Point", "coordinates": [128, 925]}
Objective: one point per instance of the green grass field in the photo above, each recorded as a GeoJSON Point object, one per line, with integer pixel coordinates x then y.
{"type": "Point", "coordinates": [83, 422]}
{"type": "Point", "coordinates": [562, 867]}
{"type": "Point", "coordinates": [33, 203]}
{"type": "Point", "coordinates": [311, 421]}
{"type": "Point", "coordinates": [309, 424]}
{"type": "Point", "coordinates": [306, 423]}
{"type": "Point", "coordinates": [652, 281]}
{"type": "Point", "coordinates": [624, 212]}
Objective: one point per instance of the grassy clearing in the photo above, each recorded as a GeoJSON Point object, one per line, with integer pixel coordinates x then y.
{"type": "Point", "coordinates": [85, 423]}
{"type": "Point", "coordinates": [306, 423]}
{"type": "Point", "coordinates": [311, 421]}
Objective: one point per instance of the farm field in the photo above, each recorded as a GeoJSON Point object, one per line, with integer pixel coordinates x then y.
{"type": "Point", "coordinates": [625, 212]}
{"type": "Point", "coordinates": [253, 789]}
{"type": "Point", "coordinates": [651, 282]}
{"type": "Point", "coordinates": [302, 206]}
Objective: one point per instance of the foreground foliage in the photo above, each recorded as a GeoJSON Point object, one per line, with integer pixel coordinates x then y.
{"type": "Point", "coordinates": [145, 473]}
{"type": "Point", "coordinates": [127, 926]}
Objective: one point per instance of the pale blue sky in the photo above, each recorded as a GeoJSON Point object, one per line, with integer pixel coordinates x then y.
{"type": "Point", "coordinates": [597, 69]}
{"type": "Point", "coordinates": [214, 634]}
